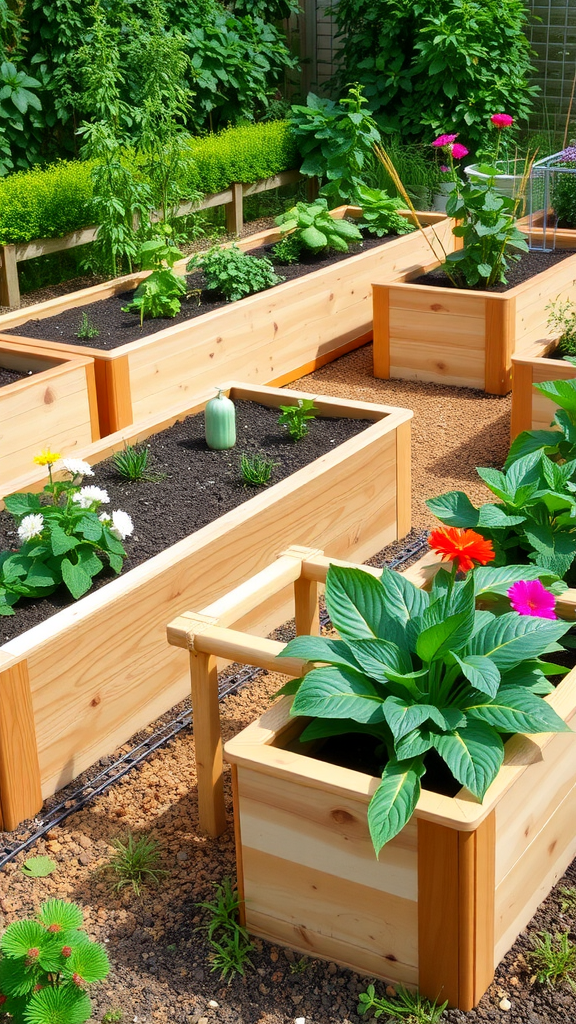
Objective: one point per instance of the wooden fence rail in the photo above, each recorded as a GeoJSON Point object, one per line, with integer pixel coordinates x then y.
{"type": "Point", "coordinates": [232, 198]}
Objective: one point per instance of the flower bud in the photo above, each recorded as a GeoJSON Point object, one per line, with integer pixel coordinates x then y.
{"type": "Point", "coordinates": [77, 979]}
{"type": "Point", "coordinates": [54, 928]}
{"type": "Point", "coordinates": [66, 950]}
{"type": "Point", "coordinates": [33, 953]}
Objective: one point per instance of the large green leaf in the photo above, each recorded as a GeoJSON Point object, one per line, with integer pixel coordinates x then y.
{"type": "Point", "coordinates": [76, 579]}
{"type": "Point", "coordinates": [320, 649]}
{"type": "Point", "coordinates": [320, 728]}
{"type": "Point", "coordinates": [510, 639]}
{"type": "Point", "coordinates": [22, 504]}
{"type": "Point", "coordinates": [454, 508]}
{"type": "Point", "coordinates": [355, 602]}
{"type": "Point", "coordinates": [60, 541]}
{"type": "Point", "coordinates": [531, 441]}
{"type": "Point", "coordinates": [414, 744]}
{"type": "Point", "coordinates": [490, 579]}
{"type": "Point", "coordinates": [434, 642]}
{"type": "Point", "coordinates": [394, 801]}
{"type": "Point", "coordinates": [338, 693]}
{"type": "Point", "coordinates": [20, 936]}
{"type": "Point", "coordinates": [64, 1005]}
{"type": "Point", "coordinates": [474, 755]}
{"type": "Point", "coordinates": [403, 600]}
{"type": "Point", "coordinates": [381, 659]}
{"type": "Point", "coordinates": [480, 672]}
{"type": "Point", "coordinates": [403, 717]}
{"type": "Point", "coordinates": [561, 392]}
{"type": "Point", "coordinates": [517, 709]}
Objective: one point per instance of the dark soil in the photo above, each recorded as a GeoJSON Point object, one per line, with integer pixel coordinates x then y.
{"type": "Point", "coordinates": [197, 486]}
{"type": "Point", "coordinates": [11, 376]}
{"type": "Point", "coordinates": [531, 263]}
{"type": "Point", "coordinates": [117, 328]}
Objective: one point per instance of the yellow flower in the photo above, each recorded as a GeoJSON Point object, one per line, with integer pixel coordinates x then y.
{"type": "Point", "coordinates": [47, 458]}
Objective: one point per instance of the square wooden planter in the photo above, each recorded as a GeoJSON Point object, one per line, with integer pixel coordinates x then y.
{"type": "Point", "coordinates": [462, 337]}
{"type": "Point", "coordinates": [530, 409]}
{"type": "Point", "coordinates": [272, 337]}
{"type": "Point", "coordinates": [75, 687]}
{"type": "Point", "coordinates": [55, 407]}
{"type": "Point", "coordinates": [447, 897]}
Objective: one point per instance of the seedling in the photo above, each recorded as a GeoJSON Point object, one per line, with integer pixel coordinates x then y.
{"type": "Point", "coordinates": [256, 469]}
{"type": "Point", "coordinates": [112, 1016]}
{"type": "Point", "coordinates": [132, 463]}
{"type": "Point", "coordinates": [136, 863]}
{"type": "Point", "coordinates": [409, 1007]}
{"type": "Point", "coordinates": [567, 895]}
{"type": "Point", "coordinates": [38, 867]}
{"type": "Point", "coordinates": [295, 417]}
{"type": "Point", "coordinates": [288, 249]}
{"type": "Point", "coordinates": [300, 966]}
{"type": "Point", "coordinates": [230, 942]}
{"type": "Point", "coordinates": [87, 329]}
{"type": "Point", "coordinates": [553, 959]}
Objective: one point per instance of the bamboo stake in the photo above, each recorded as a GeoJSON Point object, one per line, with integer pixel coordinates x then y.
{"type": "Point", "coordinates": [384, 159]}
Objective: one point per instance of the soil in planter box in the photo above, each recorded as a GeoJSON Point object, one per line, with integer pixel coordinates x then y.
{"type": "Point", "coordinates": [198, 486]}
{"type": "Point", "coordinates": [532, 263]}
{"type": "Point", "coordinates": [117, 328]}
{"type": "Point", "coordinates": [11, 376]}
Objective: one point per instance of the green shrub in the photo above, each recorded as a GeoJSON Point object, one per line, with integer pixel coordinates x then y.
{"type": "Point", "coordinates": [247, 153]}
{"type": "Point", "coordinates": [233, 273]}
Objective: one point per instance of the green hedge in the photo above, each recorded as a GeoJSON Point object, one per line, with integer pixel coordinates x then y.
{"type": "Point", "coordinates": [50, 202]}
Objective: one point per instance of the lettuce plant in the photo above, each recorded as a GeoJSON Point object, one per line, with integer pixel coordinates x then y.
{"type": "Point", "coordinates": [46, 964]}
{"type": "Point", "coordinates": [427, 672]}
{"type": "Point", "coordinates": [315, 229]}
{"type": "Point", "coordinates": [380, 212]}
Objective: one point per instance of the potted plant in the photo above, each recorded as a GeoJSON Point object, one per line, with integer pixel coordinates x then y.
{"type": "Point", "coordinates": [461, 326]}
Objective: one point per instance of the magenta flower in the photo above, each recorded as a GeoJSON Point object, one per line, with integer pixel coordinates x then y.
{"type": "Point", "coordinates": [502, 120]}
{"type": "Point", "coordinates": [444, 168]}
{"type": "Point", "coordinates": [459, 151]}
{"type": "Point", "coordinates": [529, 597]}
{"type": "Point", "coordinates": [444, 140]}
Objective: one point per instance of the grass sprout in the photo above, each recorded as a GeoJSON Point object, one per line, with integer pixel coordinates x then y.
{"type": "Point", "coordinates": [132, 463]}
{"type": "Point", "coordinates": [230, 943]}
{"type": "Point", "coordinates": [256, 469]}
{"type": "Point", "coordinates": [112, 1016]}
{"type": "Point", "coordinates": [87, 329]}
{"type": "Point", "coordinates": [553, 959]}
{"type": "Point", "coordinates": [136, 862]}
{"type": "Point", "coordinates": [408, 1007]}
{"type": "Point", "coordinates": [567, 895]}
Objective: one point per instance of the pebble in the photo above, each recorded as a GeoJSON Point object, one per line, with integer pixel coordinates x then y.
{"type": "Point", "coordinates": [505, 1004]}
{"type": "Point", "coordinates": [300, 1020]}
{"type": "Point", "coordinates": [213, 1004]}
{"type": "Point", "coordinates": [182, 856]}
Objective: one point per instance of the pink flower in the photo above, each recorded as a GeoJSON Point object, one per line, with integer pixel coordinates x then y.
{"type": "Point", "coordinates": [502, 120]}
{"type": "Point", "coordinates": [458, 151]}
{"type": "Point", "coordinates": [444, 140]}
{"type": "Point", "coordinates": [444, 168]}
{"type": "Point", "coordinates": [529, 597]}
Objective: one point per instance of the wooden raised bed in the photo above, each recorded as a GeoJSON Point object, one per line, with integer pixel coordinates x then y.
{"type": "Point", "coordinates": [530, 409]}
{"type": "Point", "coordinates": [272, 337]}
{"type": "Point", "coordinates": [53, 408]}
{"type": "Point", "coordinates": [557, 238]}
{"type": "Point", "coordinates": [462, 337]}
{"type": "Point", "coordinates": [75, 687]}
{"type": "Point", "coordinates": [449, 895]}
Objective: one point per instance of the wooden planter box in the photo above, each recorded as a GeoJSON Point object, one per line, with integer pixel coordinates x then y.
{"type": "Point", "coordinates": [272, 337]}
{"type": "Point", "coordinates": [54, 408]}
{"type": "Point", "coordinates": [530, 409]}
{"type": "Point", "coordinates": [561, 238]}
{"type": "Point", "coordinates": [75, 687]}
{"type": "Point", "coordinates": [462, 337]}
{"type": "Point", "coordinates": [447, 897]}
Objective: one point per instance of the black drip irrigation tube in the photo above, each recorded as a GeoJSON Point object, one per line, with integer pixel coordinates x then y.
{"type": "Point", "coordinates": [159, 738]}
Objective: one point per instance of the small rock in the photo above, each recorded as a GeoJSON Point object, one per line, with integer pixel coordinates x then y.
{"type": "Point", "coordinates": [300, 1020]}
{"type": "Point", "coordinates": [297, 999]}
{"type": "Point", "coordinates": [181, 856]}
{"type": "Point", "coordinates": [505, 1004]}
{"type": "Point", "coordinates": [391, 991]}
{"type": "Point", "coordinates": [213, 1004]}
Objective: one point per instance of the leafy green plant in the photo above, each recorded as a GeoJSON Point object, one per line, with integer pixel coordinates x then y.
{"type": "Point", "coordinates": [230, 942]}
{"type": "Point", "coordinates": [425, 672]}
{"type": "Point", "coordinates": [409, 1007]}
{"type": "Point", "coordinates": [159, 294]}
{"type": "Point", "coordinates": [136, 863]}
{"type": "Point", "coordinates": [336, 141]}
{"type": "Point", "coordinates": [233, 273]}
{"type": "Point", "coordinates": [132, 463]}
{"type": "Point", "coordinates": [18, 98]}
{"type": "Point", "coordinates": [256, 469]}
{"type": "Point", "coordinates": [45, 965]}
{"type": "Point", "coordinates": [63, 534]}
{"type": "Point", "coordinates": [562, 318]}
{"type": "Point", "coordinates": [315, 229]}
{"type": "Point", "coordinates": [112, 1017]}
{"type": "Point", "coordinates": [563, 192]}
{"type": "Point", "coordinates": [287, 250]}
{"type": "Point", "coordinates": [296, 417]}
{"type": "Point", "coordinates": [38, 867]}
{"type": "Point", "coordinates": [86, 328]}
{"type": "Point", "coordinates": [553, 959]}
{"type": "Point", "coordinates": [299, 966]}
{"type": "Point", "coordinates": [380, 214]}
{"type": "Point", "coordinates": [567, 894]}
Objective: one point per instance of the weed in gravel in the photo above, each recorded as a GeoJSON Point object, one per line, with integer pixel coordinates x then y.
{"type": "Point", "coordinates": [408, 1007]}
{"type": "Point", "coordinates": [553, 959]}
{"type": "Point", "coordinates": [256, 469]}
{"type": "Point", "coordinates": [230, 942]}
{"type": "Point", "coordinates": [136, 863]}
{"type": "Point", "coordinates": [132, 463]}
{"type": "Point", "coordinates": [112, 1016]}
{"type": "Point", "coordinates": [567, 894]}
{"type": "Point", "coordinates": [87, 329]}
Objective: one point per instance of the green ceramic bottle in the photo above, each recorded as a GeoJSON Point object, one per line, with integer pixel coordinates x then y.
{"type": "Point", "coordinates": [220, 422]}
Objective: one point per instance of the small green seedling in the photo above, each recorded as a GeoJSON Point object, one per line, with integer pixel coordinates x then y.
{"type": "Point", "coordinates": [408, 1007]}
{"type": "Point", "coordinates": [300, 966]}
{"type": "Point", "coordinates": [567, 895]}
{"type": "Point", "coordinates": [553, 959]}
{"type": "Point", "coordinates": [136, 863]}
{"type": "Point", "coordinates": [112, 1017]}
{"type": "Point", "coordinates": [288, 249]}
{"type": "Point", "coordinates": [38, 867]}
{"type": "Point", "coordinates": [230, 942]}
{"type": "Point", "coordinates": [87, 329]}
{"type": "Point", "coordinates": [295, 417]}
{"type": "Point", "coordinates": [256, 469]}
{"type": "Point", "coordinates": [132, 463]}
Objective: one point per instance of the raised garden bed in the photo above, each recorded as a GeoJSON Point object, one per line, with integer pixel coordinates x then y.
{"type": "Point", "coordinates": [541, 233]}
{"type": "Point", "coordinates": [77, 685]}
{"type": "Point", "coordinates": [464, 337]}
{"type": "Point", "coordinates": [536, 364]}
{"type": "Point", "coordinates": [449, 895]}
{"type": "Point", "coordinates": [47, 399]}
{"type": "Point", "coordinates": [271, 337]}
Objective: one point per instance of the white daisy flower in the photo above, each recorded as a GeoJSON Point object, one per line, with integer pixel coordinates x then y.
{"type": "Point", "coordinates": [31, 526]}
{"type": "Point", "coordinates": [77, 467]}
{"type": "Point", "coordinates": [89, 494]}
{"type": "Point", "coordinates": [105, 517]}
{"type": "Point", "coordinates": [122, 525]}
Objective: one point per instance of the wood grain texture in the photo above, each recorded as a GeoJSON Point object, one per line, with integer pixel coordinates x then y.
{"type": "Point", "coordinates": [9, 287]}
{"type": "Point", "coordinates": [499, 344]}
{"type": "Point", "coordinates": [20, 793]}
{"type": "Point", "coordinates": [535, 365]}
{"type": "Point", "coordinates": [207, 743]}
{"type": "Point", "coordinates": [438, 912]}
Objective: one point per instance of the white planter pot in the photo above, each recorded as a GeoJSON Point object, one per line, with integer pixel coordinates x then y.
{"type": "Point", "coordinates": [505, 184]}
{"type": "Point", "coordinates": [440, 197]}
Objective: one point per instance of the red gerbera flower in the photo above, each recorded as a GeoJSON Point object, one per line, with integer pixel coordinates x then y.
{"type": "Point", "coordinates": [463, 547]}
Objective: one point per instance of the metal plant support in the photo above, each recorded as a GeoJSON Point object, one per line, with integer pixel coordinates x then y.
{"type": "Point", "coordinates": [548, 180]}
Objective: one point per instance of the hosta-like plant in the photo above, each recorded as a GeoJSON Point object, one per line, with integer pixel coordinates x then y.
{"type": "Point", "coordinates": [380, 212]}
{"type": "Point", "coordinates": [315, 229]}
{"type": "Point", "coordinates": [426, 672]}
{"type": "Point", "coordinates": [46, 965]}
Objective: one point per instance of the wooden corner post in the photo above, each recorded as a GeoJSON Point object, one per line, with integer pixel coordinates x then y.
{"type": "Point", "coordinates": [521, 416]}
{"type": "Point", "coordinates": [9, 287]}
{"type": "Point", "coordinates": [500, 336]}
{"type": "Point", "coordinates": [20, 791]}
{"type": "Point", "coordinates": [381, 331]}
{"type": "Point", "coordinates": [456, 912]}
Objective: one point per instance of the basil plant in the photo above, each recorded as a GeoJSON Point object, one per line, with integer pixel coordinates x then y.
{"type": "Point", "coordinates": [427, 672]}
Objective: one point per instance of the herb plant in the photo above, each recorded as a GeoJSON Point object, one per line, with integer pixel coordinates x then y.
{"type": "Point", "coordinates": [562, 319]}
{"type": "Point", "coordinates": [46, 964]}
{"type": "Point", "coordinates": [159, 294]}
{"type": "Point", "coordinates": [567, 894]}
{"type": "Point", "coordinates": [233, 273]}
{"type": "Point", "coordinates": [132, 463]}
{"type": "Point", "coordinates": [87, 329]}
{"type": "Point", "coordinates": [288, 249]}
{"type": "Point", "coordinates": [65, 537]}
{"type": "Point", "coordinates": [256, 469]}
{"type": "Point", "coordinates": [409, 1007]}
{"type": "Point", "coordinates": [380, 212]}
{"type": "Point", "coordinates": [230, 942]}
{"type": "Point", "coordinates": [422, 672]}
{"type": "Point", "coordinates": [553, 959]}
{"type": "Point", "coordinates": [315, 229]}
{"type": "Point", "coordinates": [296, 417]}
{"type": "Point", "coordinates": [136, 863]}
